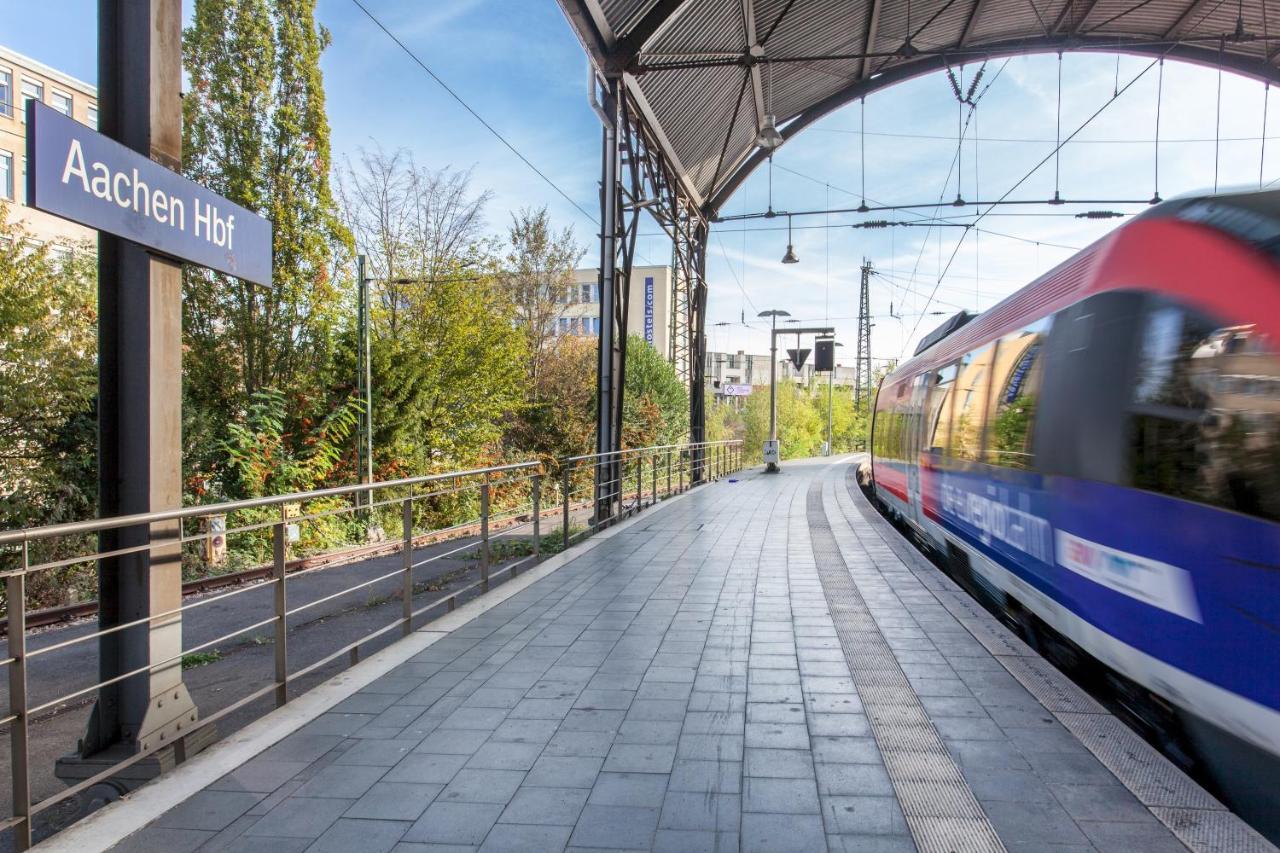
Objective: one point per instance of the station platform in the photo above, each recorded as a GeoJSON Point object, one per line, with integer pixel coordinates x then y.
{"type": "Point", "coordinates": [762, 664]}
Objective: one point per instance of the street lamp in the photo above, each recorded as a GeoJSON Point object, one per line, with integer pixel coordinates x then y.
{"type": "Point", "coordinates": [771, 443]}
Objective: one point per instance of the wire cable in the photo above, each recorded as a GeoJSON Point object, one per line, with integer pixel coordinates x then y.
{"type": "Point", "coordinates": [1217, 119]}
{"type": "Point", "coordinates": [1262, 156]}
{"type": "Point", "coordinates": [1023, 180]}
{"type": "Point", "coordinates": [469, 109]}
{"type": "Point", "coordinates": [1155, 196]}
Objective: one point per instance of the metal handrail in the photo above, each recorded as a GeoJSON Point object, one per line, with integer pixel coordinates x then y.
{"type": "Point", "coordinates": [71, 528]}
{"type": "Point", "coordinates": [632, 490]}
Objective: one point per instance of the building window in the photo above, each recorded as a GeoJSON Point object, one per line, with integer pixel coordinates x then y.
{"type": "Point", "coordinates": [92, 120]}
{"type": "Point", "coordinates": [6, 92]}
{"type": "Point", "coordinates": [6, 175]}
{"type": "Point", "coordinates": [60, 102]}
{"type": "Point", "coordinates": [587, 291]}
{"type": "Point", "coordinates": [564, 325]}
{"type": "Point", "coordinates": [31, 91]}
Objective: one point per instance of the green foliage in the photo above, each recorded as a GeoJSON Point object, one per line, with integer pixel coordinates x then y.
{"type": "Point", "coordinates": [48, 385]}
{"type": "Point", "coordinates": [255, 130]}
{"type": "Point", "coordinates": [447, 381]}
{"type": "Point", "coordinates": [802, 421]}
{"type": "Point", "coordinates": [196, 659]}
{"type": "Point", "coordinates": [655, 403]}
{"type": "Point", "coordinates": [1010, 430]}
{"type": "Point", "coordinates": [558, 418]}
{"type": "Point", "coordinates": [266, 460]}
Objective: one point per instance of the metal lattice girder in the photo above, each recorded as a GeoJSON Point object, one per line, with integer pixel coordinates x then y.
{"type": "Point", "coordinates": [637, 176]}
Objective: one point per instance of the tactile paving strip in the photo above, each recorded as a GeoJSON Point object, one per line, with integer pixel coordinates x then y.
{"type": "Point", "coordinates": [940, 809]}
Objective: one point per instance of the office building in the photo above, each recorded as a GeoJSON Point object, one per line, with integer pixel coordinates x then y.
{"type": "Point", "coordinates": [23, 79]}
{"type": "Point", "coordinates": [649, 316]}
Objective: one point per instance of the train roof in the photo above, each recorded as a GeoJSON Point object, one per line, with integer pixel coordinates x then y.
{"type": "Point", "coordinates": [1250, 215]}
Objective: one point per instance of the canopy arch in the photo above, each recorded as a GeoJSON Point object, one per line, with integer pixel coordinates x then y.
{"type": "Point", "coordinates": [705, 73]}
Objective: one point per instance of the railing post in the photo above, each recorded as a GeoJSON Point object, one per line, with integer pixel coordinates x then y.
{"type": "Point", "coordinates": [406, 514]}
{"type": "Point", "coordinates": [564, 488]}
{"type": "Point", "coordinates": [278, 554]}
{"type": "Point", "coordinates": [668, 472]}
{"type": "Point", "coordinates": [484, 534]}
{"type": "Point", "coordinates": [639, 482]}
{"type": "Point", "coordinates": [537, 517]}
{"type": "Point", "coordinates": [653, 497]}
{"type": "Point", "coordinates": [16, 590]}
{"type": "Point", "coordinates": [680, 472]}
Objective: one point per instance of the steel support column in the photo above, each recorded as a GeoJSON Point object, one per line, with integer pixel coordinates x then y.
{"type": "Point", "coordinates": [139, 409]}
{"type": "Point", "coordinates": [636, 176]}
{"type": "Point", "coordinates": [615, 275]}
{"type": "Point", "coordinates": [697, 322]}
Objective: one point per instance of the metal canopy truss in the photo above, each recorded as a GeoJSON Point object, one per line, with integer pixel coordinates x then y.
{"type": "Point", "coordinates": [637, 176]}
{"type": "Point", "coordinates": [708, 70]}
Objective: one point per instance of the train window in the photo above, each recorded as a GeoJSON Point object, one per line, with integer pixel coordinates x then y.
{"type": "Point", "coordinates": [1205, 421]}
{"type": "Point", "coordinates": [938, 408]}
{"type": "Point", "coordinates": [969, 420]}
{"type": "Point", "coordinates": [1015, 391]}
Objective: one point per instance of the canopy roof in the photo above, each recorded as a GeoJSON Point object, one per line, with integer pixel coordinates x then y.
{"type": "Point", "coordinates": [704, 73]}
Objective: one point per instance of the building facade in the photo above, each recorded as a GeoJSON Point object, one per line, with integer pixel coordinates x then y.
{"type": "Point", "coordinates": [744, 369]}
{"type": "Point", "coordinates": [23, 79]}
{"type": "Point", "coordinates": [649, 316]}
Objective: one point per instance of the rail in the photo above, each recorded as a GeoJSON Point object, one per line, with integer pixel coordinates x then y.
{"type": "Point", "coordinates": [510, 497]}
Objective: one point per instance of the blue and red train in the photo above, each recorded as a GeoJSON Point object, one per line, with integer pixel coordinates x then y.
{"type": "Point", "coordinates": [1099, 456]}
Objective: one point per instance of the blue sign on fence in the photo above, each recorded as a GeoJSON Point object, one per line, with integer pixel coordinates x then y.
{"type": "Point", "coordinates": [83, 176]}
{"type": "Point", "coordinates": [648, 308]}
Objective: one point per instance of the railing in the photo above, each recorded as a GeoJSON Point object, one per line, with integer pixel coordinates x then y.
{"type": "Point", "coordinates": [500, 501]}
{"type": "Point", "coordinates": [619, 482]}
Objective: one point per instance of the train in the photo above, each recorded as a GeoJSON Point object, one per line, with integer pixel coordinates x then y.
{"type": "Point", "coordinates": [1098, 458]}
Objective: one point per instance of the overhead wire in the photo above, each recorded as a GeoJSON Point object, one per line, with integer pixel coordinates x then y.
{"type": "Point", "coordinates": [1028, 174]}
{"type": "Point", "coordinates": [489, 127]}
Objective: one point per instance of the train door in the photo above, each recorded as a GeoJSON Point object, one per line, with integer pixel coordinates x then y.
{"type": "Point", "coordinates": [915, 421]}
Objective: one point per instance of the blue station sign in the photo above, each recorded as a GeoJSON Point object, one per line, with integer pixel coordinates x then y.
{"type": "Point", "coordinates": [81, 175]}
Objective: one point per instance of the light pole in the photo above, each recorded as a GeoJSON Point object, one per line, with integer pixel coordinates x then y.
{"type": "Point", "coordinates": [771, 443]}
{"type": "Point", "coordinates": [364, 381]}
{"type": "Point", "coordinates": [831, 377]}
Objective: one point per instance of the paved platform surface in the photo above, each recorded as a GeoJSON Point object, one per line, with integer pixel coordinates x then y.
{"type": "Point", "coordinates": [757, 666]}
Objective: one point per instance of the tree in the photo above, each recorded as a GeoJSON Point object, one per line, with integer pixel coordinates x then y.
{"type": "Point", "coordinates": [558, 418]}
{"type": "Point", "coordinates": [255, 130]}
{"type": "Point", "coordinates": [448, 359]}
{"type": "Point", "coordinates": [445, 387]}
{"type": "Point", "coordinates": [411, 223]}
{"type": "Point", "coordinates": [539, 273]}
{"type": "Point", "coordinates": [800, 429]}
{"type": "Point", "coordinates": [48, 382]}
{"type": "Point", "coordinates": [655, 403]}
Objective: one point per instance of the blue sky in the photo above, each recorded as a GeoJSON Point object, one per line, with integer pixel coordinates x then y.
{"type": "Point", "coordinates": [518, 64]}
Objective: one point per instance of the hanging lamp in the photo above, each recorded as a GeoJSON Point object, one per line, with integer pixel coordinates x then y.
{"type": "Point", "coordinates": [790, 257]}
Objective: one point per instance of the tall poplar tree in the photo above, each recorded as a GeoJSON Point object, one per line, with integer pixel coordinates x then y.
{"type": "Point", "coordinates": [255, 130]}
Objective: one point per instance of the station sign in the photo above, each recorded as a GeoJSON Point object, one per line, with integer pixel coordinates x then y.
{"type": "Point", "coordinates": [79, 174]}
{"type": "Point", "coordinates": [735, 390]}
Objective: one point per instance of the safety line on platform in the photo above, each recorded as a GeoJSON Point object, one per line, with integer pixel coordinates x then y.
{"type": "Point", "coordinates": [941, 810]}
